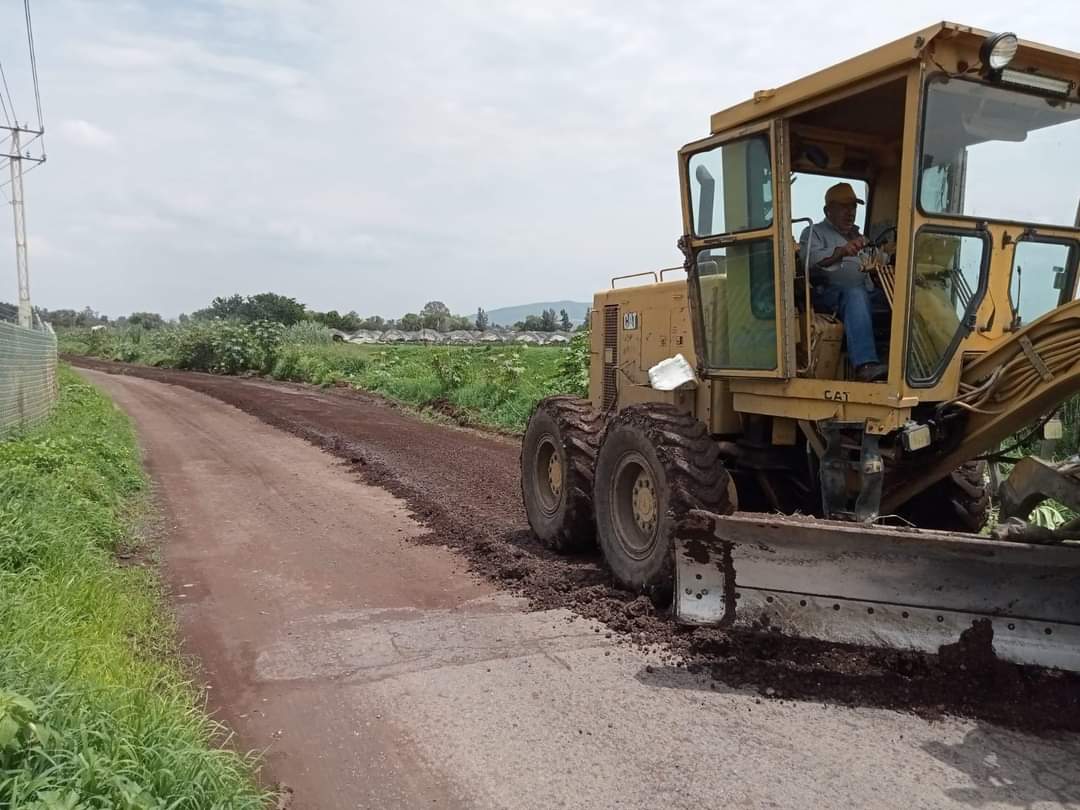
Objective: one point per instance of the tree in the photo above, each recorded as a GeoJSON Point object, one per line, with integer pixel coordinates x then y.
{"type": "Point", "coordinates": [58, 317]}
{"type": "Point", "coordinates": [184, 317]}
{"type": "Point", "coordinates": [147, 320]}
{"type": "Point", "coordinates": [410, 322]}
{"type": "Point", "coordinates": [333, 320]}
{"type": "Point", "coordinates": [548, 320]}
{"type": "Point", "coordinates": [436, 315]}
{"type": "Point", "coordinates": [90, 317]}
{"type": "Point", "coordinates": [459, 323]}
{"type": "Point", "coordinates": [374, 324]}
{"type": "Point", "coordinates": [224, 308]}
{"type": "Point", "coordinates": [564, 321]}
{"type": "Point", "coordinates": [261, 307]}
{"type": "Point", "coordinates": [532, 323]}
{"type": "Point", "coordinates": [481, 320]}
{"type": "Point", "coordinates": [272, 307]}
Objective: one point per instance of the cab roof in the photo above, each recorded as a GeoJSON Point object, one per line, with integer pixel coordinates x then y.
{"type": "Point", "coordinates": [895, 54]}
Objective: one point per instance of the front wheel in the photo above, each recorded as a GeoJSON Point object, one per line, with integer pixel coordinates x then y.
{"type": "Point", "coordinates": [656, 463]}
{"type": "Point", "coordinates": [558, 455]}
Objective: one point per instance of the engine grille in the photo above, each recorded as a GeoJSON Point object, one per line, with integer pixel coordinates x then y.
{"type": "Point", "coordinates": [611, 355]}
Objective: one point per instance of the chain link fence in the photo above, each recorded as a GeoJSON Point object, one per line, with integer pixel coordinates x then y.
{"type": "Point", "coordinates": [28, 385]}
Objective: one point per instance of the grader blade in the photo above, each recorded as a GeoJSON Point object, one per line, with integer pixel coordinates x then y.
{"type": "Point", "coordinates": [879, 586]}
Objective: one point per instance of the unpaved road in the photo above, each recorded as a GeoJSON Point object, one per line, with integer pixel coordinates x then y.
{"type": "Point", "coordinates": [341, 636]}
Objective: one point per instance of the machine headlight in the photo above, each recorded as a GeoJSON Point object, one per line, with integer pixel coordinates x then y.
{"type": "Point", "coordinates": [1047, 84]}
{"type": "Point", "coordinates": [998, 50]}
{"type": "Point", "coordinates": [915, 436]}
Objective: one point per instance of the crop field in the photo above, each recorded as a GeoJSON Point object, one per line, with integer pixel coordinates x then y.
{"type": "Point", "coordinates": [494, 386]}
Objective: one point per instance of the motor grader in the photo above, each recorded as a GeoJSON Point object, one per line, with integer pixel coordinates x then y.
{"type": "Point", "coordinates": [772, 488]}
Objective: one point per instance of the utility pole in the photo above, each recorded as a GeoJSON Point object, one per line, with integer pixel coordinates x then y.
{"type": "Point", "coordinates": [17, 154]}
{"type": "Point", "coordinates": [15, 162]}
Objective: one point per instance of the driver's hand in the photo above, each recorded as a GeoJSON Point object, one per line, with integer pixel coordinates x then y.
{"type": "Point", "coordinates": [856, 244]}
{"type": "Point", "coordinates": [851, 248]}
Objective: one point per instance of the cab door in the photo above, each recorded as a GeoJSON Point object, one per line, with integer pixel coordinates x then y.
{"type": "Point", "coordinates": [734, 210]}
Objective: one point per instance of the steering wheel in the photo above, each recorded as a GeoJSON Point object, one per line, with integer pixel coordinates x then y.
{"type": "Point", "coordinates": [881, 240]}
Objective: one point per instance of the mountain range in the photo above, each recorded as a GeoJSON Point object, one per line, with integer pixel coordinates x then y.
{"type": "Point", "coordinates": [508, 316]}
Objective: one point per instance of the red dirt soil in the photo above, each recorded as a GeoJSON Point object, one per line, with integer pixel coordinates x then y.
{"type": "Point", "coordinates": [464, 486]}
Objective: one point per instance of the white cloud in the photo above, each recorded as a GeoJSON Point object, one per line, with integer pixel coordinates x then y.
{"type": "Point", "coordinates": [372, 156]}
{"type": "Point", "coordinates": [83, 133]}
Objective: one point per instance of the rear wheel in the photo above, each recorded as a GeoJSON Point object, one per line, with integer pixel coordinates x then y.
{"type": "Point", "coordinates": [655, 464]}
{"type": "Point", "coordinates": [958, 503]}
{"type": "Point", "coordinates": [558, 457]}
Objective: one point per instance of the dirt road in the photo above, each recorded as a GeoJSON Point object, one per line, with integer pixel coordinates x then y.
{"type": "Point", "coordinates": [341, 632]}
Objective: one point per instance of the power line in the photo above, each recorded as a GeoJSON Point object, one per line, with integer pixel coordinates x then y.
{"type": "Point", "coordinates": [7, 92]}
{"type": "Point", "coordinates": [33, 64]}
{"type": "Point", "coordinates": [8, 182]}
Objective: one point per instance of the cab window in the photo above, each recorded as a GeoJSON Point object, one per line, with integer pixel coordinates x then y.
{"type": "Point", "coordinates": [948, 282]}
{"type": "Point", "coordinates": [731, 187]}
{"type": "Point", "coordinates": [1041, 279]}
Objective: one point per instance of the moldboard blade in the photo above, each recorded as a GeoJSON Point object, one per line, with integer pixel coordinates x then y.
{"type": "Point", "coordinates": [879, 586]}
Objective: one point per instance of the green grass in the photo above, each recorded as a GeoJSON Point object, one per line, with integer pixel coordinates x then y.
{"type": "Point", "coordinates": [494, 386]}
{"type": "Point", "coordinates": [94, 709]}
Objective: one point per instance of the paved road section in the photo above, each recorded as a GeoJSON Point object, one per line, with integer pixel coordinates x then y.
{"type": "Point", "coordinates": [376, 672]}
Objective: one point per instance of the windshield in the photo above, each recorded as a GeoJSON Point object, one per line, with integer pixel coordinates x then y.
{"type": "Point", "coordinates": [997, 153]}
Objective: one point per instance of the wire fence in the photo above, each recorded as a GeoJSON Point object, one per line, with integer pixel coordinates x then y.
{"type": "Point", "coordinates": [28, 386]}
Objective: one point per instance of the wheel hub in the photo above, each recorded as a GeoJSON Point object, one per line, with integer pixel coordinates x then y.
{"type": "Point", "coordinates": [644, 502]}
{"type": "Point", "coordinates": [554, 474]}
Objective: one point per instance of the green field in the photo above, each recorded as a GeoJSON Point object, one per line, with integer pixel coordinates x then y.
{"type": "Point", "coordinates": [94, 709]}
{"type": "Point", "coordinates": [495, 386]}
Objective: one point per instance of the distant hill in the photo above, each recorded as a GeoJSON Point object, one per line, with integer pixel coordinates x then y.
{"type": "Point", "coordinates": [508, 316]}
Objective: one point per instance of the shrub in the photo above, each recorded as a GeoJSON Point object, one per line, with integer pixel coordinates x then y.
{"type": "Point", "coordinates": [496, 385]}
{"type": "Point", "coordinates": [574, 366]}
{"type": "Point", "coordinates": [311, 332]}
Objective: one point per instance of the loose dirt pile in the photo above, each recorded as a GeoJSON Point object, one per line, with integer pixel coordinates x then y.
{"type": "Point", "coordinates": [464, 486]}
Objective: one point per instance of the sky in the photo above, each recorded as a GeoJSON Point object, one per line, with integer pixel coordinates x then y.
{"type": "Point", "coordinates": [373, 156]}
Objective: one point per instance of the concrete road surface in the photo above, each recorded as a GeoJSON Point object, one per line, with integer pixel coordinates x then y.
{"type": "Point", "coordinates": [376, 673]}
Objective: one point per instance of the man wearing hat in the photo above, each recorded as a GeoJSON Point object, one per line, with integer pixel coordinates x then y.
{"type": "Point", "coordinates": [840, 285]}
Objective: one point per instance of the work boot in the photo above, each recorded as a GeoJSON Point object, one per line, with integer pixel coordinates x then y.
{"type": "Point", "coordinates": [871, 372]}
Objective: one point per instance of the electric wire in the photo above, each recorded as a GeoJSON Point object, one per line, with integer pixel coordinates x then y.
{"type": "Point", "coordinates": [33, 64]}
{"type": "Point", "coordinates": [7, 93]}
{"type": "Point", "coordinates": [8, 182]}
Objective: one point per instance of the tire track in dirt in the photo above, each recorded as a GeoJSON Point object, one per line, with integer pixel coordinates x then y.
{"type": "Point", "coordinates": [464, 486]}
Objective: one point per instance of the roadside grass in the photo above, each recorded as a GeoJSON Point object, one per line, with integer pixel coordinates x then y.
{"type": "Point", "coordinates": [94, 709]}
{"type": "Point", "coordinates": [495, 386]}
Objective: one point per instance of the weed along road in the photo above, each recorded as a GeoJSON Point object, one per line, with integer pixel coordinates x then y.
{"type": "Point", "coordinates": [377, 619]}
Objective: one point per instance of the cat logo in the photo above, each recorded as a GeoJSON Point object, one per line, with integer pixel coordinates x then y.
{"type": "Point", "coordinates": [629, 321]}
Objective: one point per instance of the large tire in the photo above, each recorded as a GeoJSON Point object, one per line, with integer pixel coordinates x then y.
{"type": "Point", "coordinates": [558, 458]}
{"type": "Point", "coordinates": [656, 463]}
{"type": "Point", "coordinates": [958, 503]}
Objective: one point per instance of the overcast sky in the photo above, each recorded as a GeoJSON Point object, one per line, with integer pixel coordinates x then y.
{"type": "Point", "coordinates": [372, 156]}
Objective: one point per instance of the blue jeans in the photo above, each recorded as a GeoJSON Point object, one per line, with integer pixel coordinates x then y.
{"type": "Point", "coordinates": [853, 305]}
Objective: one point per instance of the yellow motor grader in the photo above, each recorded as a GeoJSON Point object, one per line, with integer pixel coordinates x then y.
{"type": "Point", "coordinates": [767, 484]}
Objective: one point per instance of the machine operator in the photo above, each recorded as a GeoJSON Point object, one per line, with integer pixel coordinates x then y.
{"type": "Point", "coordinates": [840, 286]}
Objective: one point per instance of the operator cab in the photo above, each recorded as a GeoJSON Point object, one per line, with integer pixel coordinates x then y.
{"type": "Point", "coordinates": [969, 177]}
{"type": "Point", "coordinates": [855, 140]}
